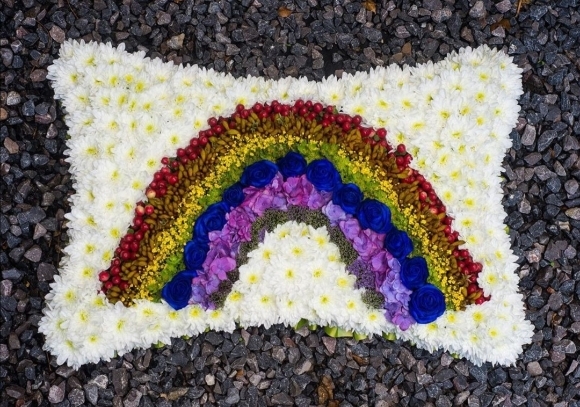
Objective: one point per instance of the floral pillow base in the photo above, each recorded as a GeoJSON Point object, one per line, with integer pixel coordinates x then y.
{"type": "Point", "coordinates": [126, 113]}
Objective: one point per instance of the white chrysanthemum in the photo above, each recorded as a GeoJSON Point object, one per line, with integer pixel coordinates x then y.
{"type": "Point", "coordinates": [331, 91]}
{"type": "Point", "coordinates": [125, 112]}
{"type": "Point", "coordinates": [303, 89]}
{"type": "Point", "coordinates": [220, 320]}
{"type": "Point", "coordinates": [194, 319]}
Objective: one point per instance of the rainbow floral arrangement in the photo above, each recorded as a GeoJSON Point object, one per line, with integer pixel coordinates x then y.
{"type": "Point", "coordinates": [369, 204]}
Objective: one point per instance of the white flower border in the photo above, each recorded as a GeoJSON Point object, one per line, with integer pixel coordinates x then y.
{"type": "Point", "coordinates": [125, 112]}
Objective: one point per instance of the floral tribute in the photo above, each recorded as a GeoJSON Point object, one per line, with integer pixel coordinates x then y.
{"type": "Point", "coordinates": [369, 204]}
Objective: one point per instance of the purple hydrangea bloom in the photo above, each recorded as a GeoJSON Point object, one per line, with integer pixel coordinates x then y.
{"type": "Point", "coordinates": [335, 213]}
{"type": "Point", "coordinates": [258, 200]}
{"type": "Point", "coordinates": [297, 190]}
{"type": "Point", "coordinates": [238, 227]}
{"type": "Point", "coordinates": [397, 298]}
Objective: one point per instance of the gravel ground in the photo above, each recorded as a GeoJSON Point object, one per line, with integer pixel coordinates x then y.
{"type": "Point", "coordinates": [280, 366]}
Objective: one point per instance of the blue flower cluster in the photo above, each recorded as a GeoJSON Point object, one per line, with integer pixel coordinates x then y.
{"type": "Point", "coordinates": [427, 302]}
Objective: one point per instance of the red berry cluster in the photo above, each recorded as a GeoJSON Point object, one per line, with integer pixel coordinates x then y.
{"type": "Point", "coordinates": [471, 269]}
{"type": "Point", "coordinates": [111, 277]}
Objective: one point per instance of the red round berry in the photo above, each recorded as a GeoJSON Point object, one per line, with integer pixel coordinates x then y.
{"type": "Point", "coordinates": [104, 276]}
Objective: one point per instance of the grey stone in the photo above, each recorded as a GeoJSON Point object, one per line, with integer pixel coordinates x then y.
{"type": "Point", "coordinates": [282, 399]}
{"type": "Point", "coordinates": [4, 352]}
{"type": "Point", "coordinates": [537, 228]}
{"type": "Point", "coordinates": [529, 135]}
{"type": "Point", "coordinates": [372, 34]}
{"type": "Point", "coordinates": [402, 32]}
{"type": "Point", "coordinates": [441, 15]}
{"type": "Point", "coordinates": [231, 49]}
{"type": "Point", "coordinates": [534, 368]}
{"type": "Point", "coordinates": [553, 252]}
{"type": "Point", "coordinates": [538, 11]}
{"type": "Point", "coordinates": [303, 367]}
{"type": "Point", "coordinates": [278, 354]}
{"type": "Point", "coordinates": [35, 215]}
{"type": "Point", "coordinates": [12, 274]}
{"type": "Point", "coordinates": [15, 392]}
{"type": "Point", "coordinates": [555, 301]}
{"type": "Point", "coordinates": [570, 252]}
{"type": "Point", "coordinates": [443, 375]}
{"type": "Point", "coordinates": [57, 34]}
{"type": "Point", "coordinates": [76, 397]}
{"type": "Point", "coordinates": [571, 143]}
{"type": "Point", "coordinates": [91, 393]}
{"type": "Point", "coordinates": [432, 4]}
{"type": "Point", "coordinates": [478, 10]}
{"type": "Point", "coordinates": [11, 145]}
{"type": "Point", "coordinates": [38, 75]}
{"type": "Point", "coordinates": [176, 42]}
{"type": "Point", "coordinates": [121, 381]}
{"type": "Point", "coordinates": [571, 186]}
{"type": "Point", "coordinates": [233, 396]}
{"type": "Point", "coordinates": [329, 343]}
{"type": "Point", "coordinates": [163, 18]}
{"type": "Point", "coordinates": [28, 108]}
{"type": "Point", "coordinates": [13, 98]}
{"type": "Point", "coordinates": [34, 254]}
{"type": "Point", "coordinates": [175, 393]}
{"type": "Point", "coordinates": [566, 346]}
{"type": "Point", "coordinates": [133, 398]}
{"type": "Point", "coordinates": [546, 138]}
{"type": "Point", "coordinates": [39, 231]}
{"type": "Point", "coordinates": [543, 173]}
{"type": "Point", "coordinates": [503, 6]}
{"type": "Point", "coordinates": [55, 394]}
{"type": "Point", "coordinates": [407, 358]}
{"type": "Point", "coordinates": [7, 55]}
{"type": "Point", "coordinates": [573, 213]}
{"type": "Point", "coordinates": [209, 379]}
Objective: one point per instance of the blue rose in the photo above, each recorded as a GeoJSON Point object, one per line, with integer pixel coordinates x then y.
{"type": "Point", "coordinates": [194, 253]}
{"type": "Point", "coordinates": [214, 218]}
{"type": "Point", "coordinates": [323, 175]}
{"type": "Point", "coordinates": [178, 291]}
{"type": "Point", "coordinates": [234, 195]}
{"type": "Point", "coordinates": [292, 165]}
{"type": "Point", "coordinates": [398, 243]}
{"type": "Point", "coordinates": [348, 196]}
{"type": "Point", "coordinates": [427, 304]}
{"type": "Point", "coordinates": [374, 215]}
{"type": "Point", "coordinates": [259, 174]}
{"type": "Point", "coordinates": [414, 272]}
